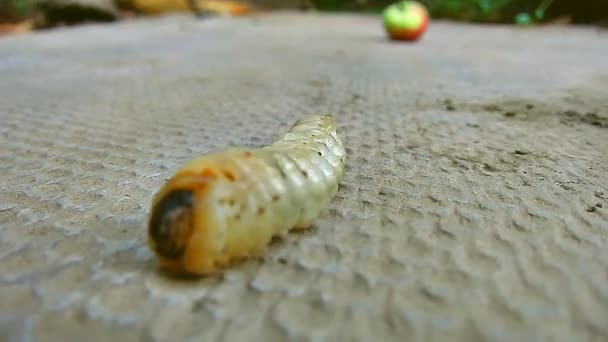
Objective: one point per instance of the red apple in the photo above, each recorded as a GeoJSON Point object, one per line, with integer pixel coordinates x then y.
{"type": "Point", "coordinates": [406, 20]}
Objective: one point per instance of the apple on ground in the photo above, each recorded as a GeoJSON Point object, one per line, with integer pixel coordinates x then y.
{"type": "Point", "coordinates": [406, 20]}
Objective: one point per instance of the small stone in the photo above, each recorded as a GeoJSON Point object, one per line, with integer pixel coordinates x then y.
{"type": "Point", "coordinates": [591, 208]}
{"type": "Point", "coordinates": [492, 108]}
{"type": "Point", "coordinates": [449, 105]}
{"type": "Point", "coordinates": [599, 205]}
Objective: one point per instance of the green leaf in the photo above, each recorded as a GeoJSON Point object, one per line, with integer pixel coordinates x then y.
{"type": "Point", "coordinates": [523, 19]}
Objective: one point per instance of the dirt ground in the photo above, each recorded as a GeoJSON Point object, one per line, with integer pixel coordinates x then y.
{"type": "Point", "coordinates": [474, 204]}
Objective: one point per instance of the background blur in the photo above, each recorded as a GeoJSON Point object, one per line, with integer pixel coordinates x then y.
{"type": "Point", "coordinates": [25, 15]}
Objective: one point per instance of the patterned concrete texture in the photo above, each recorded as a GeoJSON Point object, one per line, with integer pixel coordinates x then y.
{"type": "Point", "coordinates": [474, 205]}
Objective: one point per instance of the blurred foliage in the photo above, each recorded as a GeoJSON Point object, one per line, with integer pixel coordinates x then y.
{"type": "Point", "coordinates": [471, 10]}
{"type": "Point", "coordinates": [12, 10]}
{"type": "Point", "coordinates": [519, 11]}
{"type": "Point", "coordinates": [522, 12]}
{"type": "Point", "coordinates": [465, 10]}
{"type": "Point", "coordinates": [498, 11]}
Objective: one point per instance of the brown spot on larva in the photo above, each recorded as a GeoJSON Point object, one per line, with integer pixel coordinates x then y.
{"type": "Point", "coordinates": [230, 175]}
{"type": "Point", "coordinates": [209, 173]}
{"type": "Point", "coordinates": [304, 173]}
{"type": "Point", "coordinates": [275, 198]}
{"type": "Point", "coordinates": [319, 153]}
{"type": "Point", "coordinates": [261, 211]}
{"type": "Point", "coordinates": [237, 216]}
{"type": "Point", "coordinates": [231, 202]}
{"type": "Point", "coordinates": [247, 154]}
{"type": "Point", "coordinates": [197, 180]}
{"type": "Point", "coordinates": [282, 172]}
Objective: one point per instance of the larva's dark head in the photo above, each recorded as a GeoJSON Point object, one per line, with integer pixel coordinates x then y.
{"type": "Point", "coordinates": [172, 223]}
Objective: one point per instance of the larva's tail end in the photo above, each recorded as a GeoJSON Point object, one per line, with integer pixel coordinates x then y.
{"type": "Point", "coordinates": [329, 120]}
{"type": "Point", "coordinates": [329, 116]}
{"type": "Point", "coordinates": [325, 120]}
{"type": "Point", "coordinates": [314, 117]}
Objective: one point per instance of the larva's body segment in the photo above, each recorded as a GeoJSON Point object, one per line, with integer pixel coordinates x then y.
{"type": "Point", "coordinates": [228, 205]}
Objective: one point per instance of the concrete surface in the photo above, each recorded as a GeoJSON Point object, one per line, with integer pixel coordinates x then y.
{"type": "Point", "coordinates": [474, 205]}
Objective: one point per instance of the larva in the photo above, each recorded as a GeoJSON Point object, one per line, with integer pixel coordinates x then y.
{"type": "Point", "coordinates": [228, 205]}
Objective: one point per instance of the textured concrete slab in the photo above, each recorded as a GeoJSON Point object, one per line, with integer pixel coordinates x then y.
{"type": "Point", "coordinates": [474, 206]}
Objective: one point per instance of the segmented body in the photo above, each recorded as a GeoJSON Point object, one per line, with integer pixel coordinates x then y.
{"type": "Point", "coordinates": [228, 205]}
